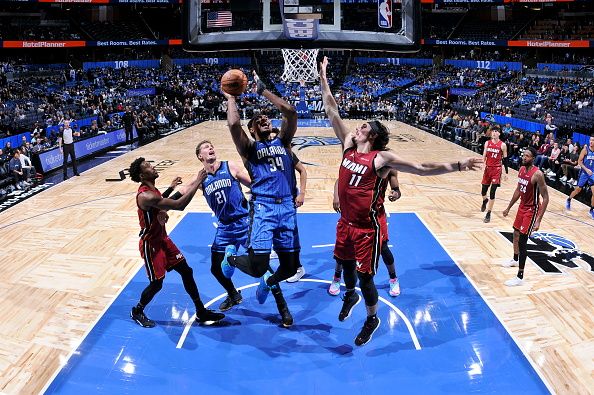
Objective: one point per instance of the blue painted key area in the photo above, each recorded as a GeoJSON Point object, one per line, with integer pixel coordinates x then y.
{"type": "Point", "coordinates": [462, 347]}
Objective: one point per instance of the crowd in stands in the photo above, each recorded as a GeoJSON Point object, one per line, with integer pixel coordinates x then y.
{"type": "Point", "coordinates": [189, 94]}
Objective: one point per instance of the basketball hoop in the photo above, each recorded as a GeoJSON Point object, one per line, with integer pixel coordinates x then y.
{"type": "Point", "coordinates": [300, 65]}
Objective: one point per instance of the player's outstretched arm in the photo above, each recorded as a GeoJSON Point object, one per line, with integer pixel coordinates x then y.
{"type": "Point", "coordinates": [148, 199]}
{"type": "Point", "coordinates": [240, 138]}
{"type": "Point", "coordinates": [330, 105]}
{"type": "Point", "coordinates": [387, 160]}
{"type": "Point", "coordinates": [289, 125]}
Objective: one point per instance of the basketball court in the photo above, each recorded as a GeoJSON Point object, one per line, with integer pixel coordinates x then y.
{"type": "Point", "coordinates": [454, 327]}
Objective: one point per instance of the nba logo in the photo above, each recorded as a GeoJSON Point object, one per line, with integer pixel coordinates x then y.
{"type": "Point", "coordinates": [384, 13]}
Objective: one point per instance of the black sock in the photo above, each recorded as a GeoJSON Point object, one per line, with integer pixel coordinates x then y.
{"type": "Point", "coordinates": [372, 317]}
{"type": "Point", "coordinates": [516, 257]}
{"type": "Point", "coordinates": [521, 274]}
{"type": "Point", "coordinates": [488, 213]}
{"type": "Point", "coordinates": [337, 274]}
{"type": "Point", "coordinates": [392, 275]}
{"type": "Point", "coordinates": [569, 199]}
{"type": "Point", "coordinates": [139, 306]}
{"type": "Point", "coordinates": [349, 292]}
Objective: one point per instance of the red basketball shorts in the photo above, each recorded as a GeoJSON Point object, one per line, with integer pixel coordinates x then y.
{"type": "Point", "coordinates": [525, 219]}
{"type": "Point", "coordinates": [362, 245]}
{"type": "Point", "coordinates": [159, 256]}
{"type": "Point", "coordinates": [492, 175]}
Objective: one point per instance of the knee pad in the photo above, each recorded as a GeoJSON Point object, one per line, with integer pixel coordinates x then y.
{"type": "Point", "coordinates": [484, 189]}
{"type": "Point", "coordinates": [183, 268]}
{"type": "Point", "coordinates": [215, 261]}
{"type": "Point", "coordinates": [260, 263]}
{"type": "Point", "coordinates": [368, 288]}
{"type": "Point", "coordinates": [156, 285]}
{"type": "Point", "coordinates": [493, 190]}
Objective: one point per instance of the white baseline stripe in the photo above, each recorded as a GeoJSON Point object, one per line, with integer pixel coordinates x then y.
{"type": "Point", "coordinates": [411, 330]}
{"type": "Point", "coordinates": [534, 366]}
{"type": "Point", "coordinates": [323, 245]}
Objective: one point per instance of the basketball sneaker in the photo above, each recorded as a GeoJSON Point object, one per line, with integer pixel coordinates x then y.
{"type": "Point", "coordinates": [394, 287]}
{"type": "Point", "coordinates": [510, 263]}
{"type": "Point", "coordinates": [487, 217]}
{"type": "Point", "coordinates": [300, 272]}
{"type": "Point", "coordinates": [231, 301]}
{"type": "Point", "coordinates": [514, 282]}
{"type": "Point", "coordinates": [484, 205]}
{"type": "Point", "coordinates": [225, 265]}
{"type": "Point", "coordinates": [140, 318]}
{"type": "Point", "coordinates": [286, 317]}
{"type": "Point", "coordinates": [348, 304]}
{"type": "Point", "coordinates": [263, 289]}
{"type": "Point", "coordinates": [334, 287]}
{"type": "Point", "coordinates": [568, 204]}
{"type": "Point", "coordinates": [369, 328]}
{"type": "Point", "coordinates": [209, 317]}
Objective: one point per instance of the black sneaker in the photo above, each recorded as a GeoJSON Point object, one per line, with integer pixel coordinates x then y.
{"type": "Point", "coordinates": [487, 218]}
{"type": "Point", "coordinates": [209, 317]}
{"type": "Point", "coordinates": [286, 317]}
{"type": "Point", "coordinates": [231, 301]}
{"type": "Point", "coordinates": [369, 328]}
{"type": "Point", "coordinates": [349, 302]}
{"type": "Point", "coordinates": [140, 318]}
{"type": "Point", "coordinates": [484, 205]}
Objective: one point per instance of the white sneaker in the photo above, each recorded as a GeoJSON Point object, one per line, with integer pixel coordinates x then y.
{"type": "Point", "coordinates": [574, 183]}
{"type": "Point", "coordinates": [514, 282]}
{"type": "Point", "coordinates": [570, 181]}
{"type": "Point", "coordinates": [510, 263]}
{"type": "Point", "coordinates": [334, 287]}
{"type": "Point", "coordinates": [394, 287]}
{"type": "Point", "coordinates": [300, 272]}
{"type": "Point", "coordinates": [563, 179]}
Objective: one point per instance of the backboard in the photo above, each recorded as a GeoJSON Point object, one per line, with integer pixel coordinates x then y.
{"type": "Point", "coordinates": [228, 25]}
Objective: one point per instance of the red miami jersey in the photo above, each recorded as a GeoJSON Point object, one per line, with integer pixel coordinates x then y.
{"type": "Point", "coordinates": [150, 227]}
{"type": "Point", "coordinates": [529, 194]}
{"type": "Point", "coordinates": [361, 191]}
{"type": "Point", "coordinates": [494, 154]}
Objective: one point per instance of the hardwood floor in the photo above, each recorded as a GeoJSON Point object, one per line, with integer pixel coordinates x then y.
{"type": "Point", "coordinates": [68, 251]}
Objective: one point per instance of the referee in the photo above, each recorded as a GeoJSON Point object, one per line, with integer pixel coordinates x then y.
{"type": "Point", "coordinates": [66, 142]}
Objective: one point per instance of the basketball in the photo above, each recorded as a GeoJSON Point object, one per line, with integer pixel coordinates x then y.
{"type": "Point", "coordinates": [234, 82]}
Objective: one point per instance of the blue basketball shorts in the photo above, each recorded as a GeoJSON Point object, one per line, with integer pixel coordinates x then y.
{"type": "Point", "coordinates": [273, 225]}
{"type": "Point", "coordinates": [235, 233]}
{"type": "Point", "coordinates": [585, 179]}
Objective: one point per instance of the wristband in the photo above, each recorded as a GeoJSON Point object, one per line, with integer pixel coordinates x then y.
{"type": "Point", "coordinates": [459, 167]}
{"type": "Point", "coordinates": [176, 196]}
{"type": "Point", "coordinates": [167, 192]}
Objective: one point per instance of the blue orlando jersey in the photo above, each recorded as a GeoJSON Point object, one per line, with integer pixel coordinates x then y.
{"type": "Point", "coordinates": [272, 170]}
{"type": "Point", "coordinates": [223, 194]}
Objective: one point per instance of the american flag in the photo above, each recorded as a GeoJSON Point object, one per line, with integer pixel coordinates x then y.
{"type": "Point", "coordinates": [218, 19]}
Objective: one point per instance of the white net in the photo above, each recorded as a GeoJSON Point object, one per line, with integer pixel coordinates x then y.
{"type": "Point", "coordinates": [300, 65]}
